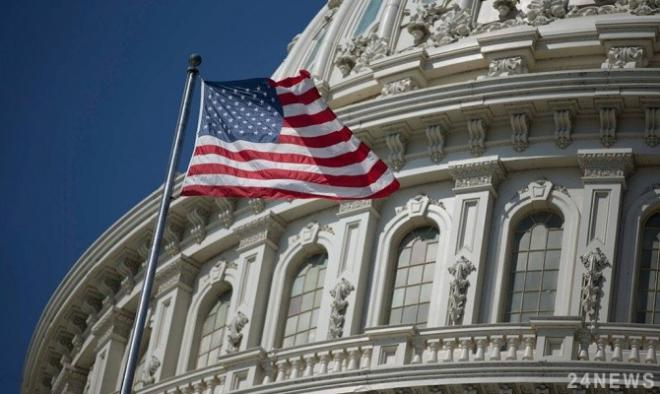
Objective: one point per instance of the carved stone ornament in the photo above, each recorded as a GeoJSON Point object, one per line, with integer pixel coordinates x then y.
{"type": "Point", "coordinates": [634, 7]}
{"type": "Point", "coordinates": [423, 18]}
{"type": "Point", "coordinates": [225, 211]}
{"type": "Point", "coordinates": [458, 289]}
{"type": "Point", "coordinates": [454, 24]}
{"type": "Point", "coordinates": [652, 126]}
{"type": "Point", "coordinates": [507, 66]}
{"type": "Point", "coordinates": [396, 144]}
{"type": "Point", "coordinates": [197, 218]}
{"type": "Point", "coordinates": [338, 305]}
{"type": "Point", "coordinates": [181, 272]}
{"type": "Point", "coordinates": [477, 136]}
{"type": "Point", "coordinates": [397, 87]}
{"type": "Point", "coordinates": [438, 23]}
{"type": "Point", "coordinates": [625, 57]}
{"type": "Point", "coordinates": [520, 131]}
{"type": "Point", "coordinates": [436, 139]}
{"type": "Point", "coordinates": [357, 54]}
{"type": "Point", "coordinates": [235, 335]}
{"type": "Point", "coordinates": [508, 13]}
{"type": "Point", "coordinates": [542, 12]}
{"type": "Point", "coordinates": [594, 262]}
{"type": "Point", "coordinates": [476, 174]}
{"type": "Point", "coordinates": [309, 233]}
{"type": "Point", "coordinates": [217, 272]}
{"type": "Point", "coordinates": [538, 190]}
{"type": "Point", "coordinates": [563, 128]}
{"type": "Point", "coordinates": [267, 229]}
{"type": "Point", "coordinates": [610, 164]}
{"type": "Point", "coordinates": [149, 373]}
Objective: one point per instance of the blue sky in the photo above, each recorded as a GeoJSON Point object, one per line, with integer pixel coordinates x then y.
{"type": "Point", "coordinates": [89, 98]}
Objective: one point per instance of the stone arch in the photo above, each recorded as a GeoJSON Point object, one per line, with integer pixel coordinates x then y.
{"type": "Point", "coordinates": [419, 211]}
{"type": "Point", "coordinates": [537, 196]}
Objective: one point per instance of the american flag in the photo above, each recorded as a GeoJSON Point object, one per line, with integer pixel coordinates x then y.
{"type": "Point", "coordinates": [279, 139]}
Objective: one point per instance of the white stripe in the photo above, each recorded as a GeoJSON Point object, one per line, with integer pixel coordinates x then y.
{"type": "Point", "coordinates": [237, 146]}
{"type": "Point", "coordinates": [354, 169]}
{"type": "Point", "coordinates": [314, 130]}
{"type": "Point", "coordinates": [292, 185]}
{"type": "Point", "coordinates": [297, 89]}
{"type": "Point", "coordinates": [315, 106]}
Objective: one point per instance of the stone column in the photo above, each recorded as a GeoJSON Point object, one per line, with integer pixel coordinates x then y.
{"type": "Point", "coordinates": [604, 173]}
{"type": "Point", "coordinates": [257, 248]}
{"type": "Point", "coordinates": [357, 230]}
{"type": "Point", "coordinates": [388, 21]}
{"type": "Point", "coordinates": [112, 331]}
{"type": "Point", "coordinates": [172, 298]}
{"type": "Point", "coordinates": [475, 183]}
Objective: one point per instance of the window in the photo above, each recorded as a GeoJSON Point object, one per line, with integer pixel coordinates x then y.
{"type": "Point", "coordinates": [411, 296]}
{"type": "Point", "coordinates": [368, 18]}
{"type": "Point", "coordinates": [213, 331]}
{"type": "Point", "coordinates": [648, 296]}
{"type": "Point", "coordinates": [305, 300]}
{"type": "Point", "coordinates": [534, 266]}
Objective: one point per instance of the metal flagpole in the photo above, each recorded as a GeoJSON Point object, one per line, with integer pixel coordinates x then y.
{"type": "Point", "coordinates": [138, 326]}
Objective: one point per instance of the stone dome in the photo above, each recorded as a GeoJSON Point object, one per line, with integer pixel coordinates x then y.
{"type": "Point", "coordinates": [521, 251]}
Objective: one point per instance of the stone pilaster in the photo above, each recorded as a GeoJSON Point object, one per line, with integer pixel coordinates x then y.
{"type": "Point", "coordinates": [475, 184]}
{"type": "Point", "coordinates": [604, 173]}
{"type": "Point", "coordinates": [112, 332]}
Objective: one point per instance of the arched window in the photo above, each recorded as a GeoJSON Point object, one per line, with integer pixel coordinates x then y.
{"type": "Point", "coordinates": [213, 331]}
{"type": "Point", "coordinates": [534, 266]}
{"type": "Point", "coordinates": [306, 292]}
{"type": "Point", "coordinates": [648, 289]}
{"type": "Point", "coordinates": [411, 295]}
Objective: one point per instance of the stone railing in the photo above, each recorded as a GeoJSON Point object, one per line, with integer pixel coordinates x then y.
{"type": "Point", "coordinates": [402, 354]}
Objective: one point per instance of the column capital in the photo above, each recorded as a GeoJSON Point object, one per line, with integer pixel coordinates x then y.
{"type": "Point", "coordinates": [605, 165]}
{"type": "Point", "coordinates": [352, 207]}
{"type": "Point", "coordinates": [477, 174]}
{"type": "Point", "coordinates": [179, 273]}
{"type": "Point", "coordinates": [116, 323]}
{"type": "Point", "coordinates": [266, 229]}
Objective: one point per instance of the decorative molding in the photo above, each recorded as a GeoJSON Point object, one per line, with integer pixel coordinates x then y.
{"type": "Point", "coordinates": [197, 216]}
{"type": "Point", "coordinates": [652, 126]}
{"type": "Point", "coordinates": [520, 131]}
{"type": "Point", "coordinates": [265, 229]}
{"type": "Point", "coordinates": [352, 207]}
{"type": "Point", "coordinates": [399, 86]}
{"type": "Point", "coordinates": [605, 165]}
{"type": "Point", "coordinates": [594, 262]}
{"type": "Point", "coordinates": [477, 174]}
{"type": "Point", "coordinates": [180, 272]}
{"type": "Point", "coordinates": [257, 205]}
{"type": "Point", "coordinates": [173, 234]}
{"type": "Point", "coordinates": [225, 211]}
{"type": "Point", "coordinates": [461, 269]}
{"type": "Point", "coordinates": [542, 12]}
{"type": "Point", "coordinates": [563, 127]}
{"type": "Point", "coordinates": [504, 67]}
{"type": "Point", "coordinates": [477, 136]}
{"type": "Point", "coordinates": [625, 57]}
{"type": "Point", "coordinates": [357, 54]}
{"type": "Point", "coordinates": [417, 206]}
{"type": "Point", "coordinates": [128, 265]}
{"type": "Point", "coordinates": [435, 135]}
{"type": "Point", "coordinates": [538, 190]}
{"type": "Point", "coordinates": [149, 372]}
{"type": "Point", "coordinates": [338, 305]}
{"type": "Point", "coordinates": [438, 23]}
{"type": "Point", "coordinates": [396, 144]}
{"type": "Point", "coordinates": [235, 334]}
{"type": "Point", "coordinates": [115, 324]}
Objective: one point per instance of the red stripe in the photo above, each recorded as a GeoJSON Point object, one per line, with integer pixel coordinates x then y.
{"type": "Point", "coordinates": [305, 98]}
{"type": "Point", "coordinates": [291, 81]}
{"type": "Point", "coordinates": [306, 120]}
{"type": "Point", "coordinates": [321, 141]}
{"type": "Point", "coordinates": [265, 192]}
{"type": "Point", "coordinates": [344, 159]}
{"type": "Point", "coordinates": [376, 171]}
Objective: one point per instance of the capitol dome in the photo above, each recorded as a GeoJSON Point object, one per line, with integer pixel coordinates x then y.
{"type": "Point", "coordinates": [525, 135]}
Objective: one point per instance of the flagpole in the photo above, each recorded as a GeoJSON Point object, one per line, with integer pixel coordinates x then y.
{"type": "Point", "coordinates": [138, 326]}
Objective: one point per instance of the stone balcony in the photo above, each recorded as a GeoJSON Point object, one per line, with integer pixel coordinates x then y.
{"type": "Point", "coordinates": [542, 353]}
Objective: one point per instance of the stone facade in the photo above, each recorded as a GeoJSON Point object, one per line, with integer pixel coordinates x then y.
{"type": "Point", "coordinates": [489, 112]}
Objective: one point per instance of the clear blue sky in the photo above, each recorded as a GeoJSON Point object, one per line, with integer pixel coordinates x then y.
{"type": "Point", "coordinates": [89, 96]}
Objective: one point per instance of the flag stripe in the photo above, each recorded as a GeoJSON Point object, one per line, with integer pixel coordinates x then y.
{"type": "Point", "coordinates": [246, 155]}
{"type": "Point", "coordinates": [362, 180]}
{"type": "Point", "coordinates": [303, 120]}
{"type": "Point", "coordinates": [321, 141]}
{"type": "Point", "coordinates": [294, 185]}
{"type": "Point", "coordinates": [325, 152]}
{"type": "Point", "coordinates": [309, 96]}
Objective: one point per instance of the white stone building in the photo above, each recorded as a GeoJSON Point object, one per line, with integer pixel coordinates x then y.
{"type": "Point", "coordinates": [522, 247]}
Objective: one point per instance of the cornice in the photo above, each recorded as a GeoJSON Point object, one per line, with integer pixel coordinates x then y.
{"type": "Point", "coordinates": [477, 174]}
{"type": "Point", "coordinates": [606, 165]}
{"type": "Point", "coordinates": [266, 229]}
